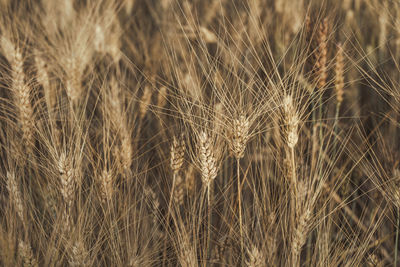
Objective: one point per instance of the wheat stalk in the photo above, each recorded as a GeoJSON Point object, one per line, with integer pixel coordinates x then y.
{"type": "Point", "coordinates": [240, 136]}
{"type": "Point", "coordinates": [209, 171]}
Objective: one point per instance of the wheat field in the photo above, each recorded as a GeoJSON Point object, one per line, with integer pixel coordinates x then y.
{"type": "Point", "coordinates": [199, 133]}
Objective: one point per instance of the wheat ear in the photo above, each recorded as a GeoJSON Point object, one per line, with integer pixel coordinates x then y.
{"type": "Point", "coordinates": [240, 136]}
{"type": "Point", "coordinates": [177, 153]}
{"type": "Point", "coordinates": [256, 258]}
{"type": "Point", "coordinates": [339, 74]}
{"type": "Point", "coordinates": [26, 255]}
{"type": "Point", "coordinates": [106, 185]}
{"type": "Point", "coordinates": [119, 123]}
{"type": "Point", "coordinates": [15, 195]}
{"type": "Point", "coordinates": [145, 101]}
{"type": "Point", "coordinates": [208, 162]}
{"type": "Point", "coordinates": [299, 236]}
{"type": "Point", "coordinates": [78, 255]}
{"type": "Point", "coordinates": [67, 178]}
{"type": "Point", "coordinates": [321, 57]}
{"type": "Point", "coordinates": [21, 91]}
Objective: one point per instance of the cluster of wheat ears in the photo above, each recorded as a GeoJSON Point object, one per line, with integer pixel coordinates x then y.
{"type": "Point", "coordinates": [199, 133]}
